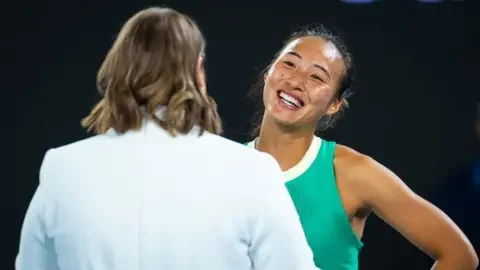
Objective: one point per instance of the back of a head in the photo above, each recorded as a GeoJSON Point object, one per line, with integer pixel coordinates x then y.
{"type": "Point", "coordinates": [155, 61]}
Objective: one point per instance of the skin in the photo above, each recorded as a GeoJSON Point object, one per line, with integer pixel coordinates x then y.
{"type": "Point", "coordinates": [200, 74]}
{"type": "Point", "coordinates": [310, 68]}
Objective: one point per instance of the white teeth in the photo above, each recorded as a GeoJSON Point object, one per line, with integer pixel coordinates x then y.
{"type": "Point", "coordinates": [290, 99]}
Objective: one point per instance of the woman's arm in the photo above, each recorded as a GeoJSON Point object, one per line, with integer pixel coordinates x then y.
{"type": "Point", "coordinates": [416, 219]}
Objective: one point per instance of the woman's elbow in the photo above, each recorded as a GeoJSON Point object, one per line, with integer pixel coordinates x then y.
{"type": "Point", "coordinates": [464, 258]}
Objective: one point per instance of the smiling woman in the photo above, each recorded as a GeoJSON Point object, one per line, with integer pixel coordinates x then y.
{"type": "Point", "coordinates": [335, 188]}
{"type": "Point", "coordinates": [329, 62]}
{"type": "Point", "coordinates": [305, 62]}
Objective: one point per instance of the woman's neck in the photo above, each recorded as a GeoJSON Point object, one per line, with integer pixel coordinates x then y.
{"type": "Point", "coordinates": [287, 147]}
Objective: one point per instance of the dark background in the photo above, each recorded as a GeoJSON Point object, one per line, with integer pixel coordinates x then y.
{"type": "Point", "coordinates": [413, 111]}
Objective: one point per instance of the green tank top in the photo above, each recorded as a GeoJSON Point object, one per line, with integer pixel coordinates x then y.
{"type": "Point", "coordinates": [311, 184]}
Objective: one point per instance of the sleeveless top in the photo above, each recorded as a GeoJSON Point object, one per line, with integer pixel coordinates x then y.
{"type": "Point", "coordinates": [311, 184]}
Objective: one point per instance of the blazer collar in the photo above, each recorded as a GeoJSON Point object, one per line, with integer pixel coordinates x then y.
{"type": "Point", "coordinates": [149, 124]}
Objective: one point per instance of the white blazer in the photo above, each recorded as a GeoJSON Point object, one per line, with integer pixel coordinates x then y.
{"type": "Point", "coordinates": [147, 201]}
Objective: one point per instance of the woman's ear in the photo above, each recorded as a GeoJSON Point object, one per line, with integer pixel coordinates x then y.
{"type": "Point", "coordinates": [200, 74]}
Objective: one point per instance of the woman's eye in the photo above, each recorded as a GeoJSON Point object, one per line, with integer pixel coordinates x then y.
{"type": "Point", "coordinates": [316, 77]}
{"type": "Point", "coordinates": [288, 63]}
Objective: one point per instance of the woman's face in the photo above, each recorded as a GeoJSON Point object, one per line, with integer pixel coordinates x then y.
{"type": "Point", "coordinates": [300, 86]}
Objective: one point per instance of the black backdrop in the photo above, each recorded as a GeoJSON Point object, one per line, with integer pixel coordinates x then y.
{"type": "Point", "coordinates": [413, 109]}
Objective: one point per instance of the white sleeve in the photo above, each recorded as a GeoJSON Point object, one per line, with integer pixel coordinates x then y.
{"type": "Point", "coordinates": [36, 249]}
{"type": "Point", "coordinates": [278, 241]}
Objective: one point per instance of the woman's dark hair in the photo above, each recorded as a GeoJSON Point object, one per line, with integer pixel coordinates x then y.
{"type": "Point", "coordinates": [153, 63]}
{"type": "Point", "coordinates": [343, 92]}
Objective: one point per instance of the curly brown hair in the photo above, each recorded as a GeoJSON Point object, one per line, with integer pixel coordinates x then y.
{"type": "Point", "coordinates": [153, 62]}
